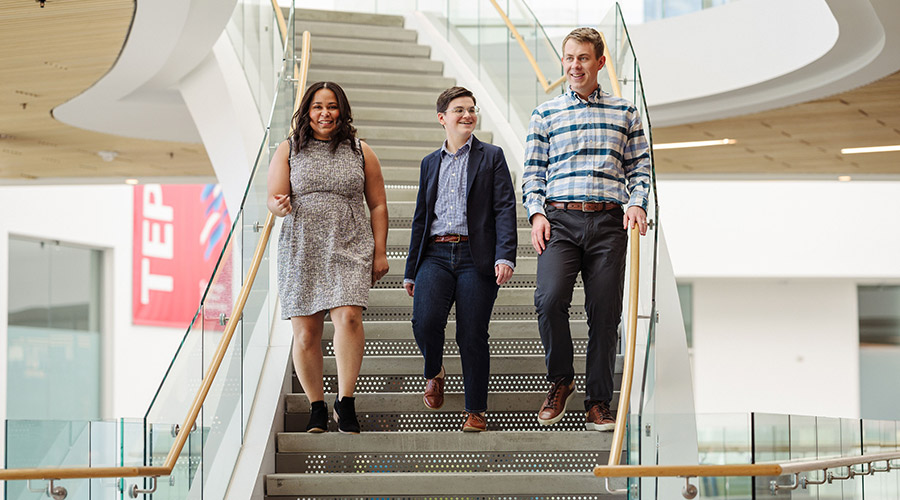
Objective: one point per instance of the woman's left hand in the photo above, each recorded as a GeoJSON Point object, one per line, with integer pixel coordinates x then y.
{"type": "Point", "coordinates": [379, 267]}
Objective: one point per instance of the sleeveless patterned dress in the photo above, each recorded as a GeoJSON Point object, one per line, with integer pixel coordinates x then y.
{"type": "Point", "coordinates": [326, 245]}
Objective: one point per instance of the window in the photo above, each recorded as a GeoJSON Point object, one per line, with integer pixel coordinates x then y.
{"type": "Point", "coordinates": [53, 351]}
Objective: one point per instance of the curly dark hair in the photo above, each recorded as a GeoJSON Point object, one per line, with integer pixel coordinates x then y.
{"type": "Point", "coordinates": [301, 131]}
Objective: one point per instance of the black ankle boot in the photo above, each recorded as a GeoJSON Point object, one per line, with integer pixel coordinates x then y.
{"type": "Point", "coordinates": [345, 415]}
{"type": "Point", "coordinates": [318, 417]}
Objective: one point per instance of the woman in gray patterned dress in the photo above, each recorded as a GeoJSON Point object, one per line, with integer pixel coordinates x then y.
{"type": "Point", "coordinates": [329, 254]}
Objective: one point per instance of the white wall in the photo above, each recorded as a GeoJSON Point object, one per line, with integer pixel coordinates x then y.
{"type": "Point", "coordinates": [775, 266]}
{"type": "Point", "coordinates": [779, 229]}
{"type": "Point", "coordinates": [134, 357]}
{"type": "Point", "coordinates": [776, 346]}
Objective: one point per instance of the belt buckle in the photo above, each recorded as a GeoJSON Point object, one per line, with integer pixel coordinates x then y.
{"type": "Point", "coordinates": [584, 207]}
{"type": "Point", "coordinates": [455, 238]}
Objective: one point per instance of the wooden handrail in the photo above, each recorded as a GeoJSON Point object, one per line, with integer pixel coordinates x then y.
{"type": "Point", "coordinates": [615, 451]}
{"type": "Point", "coordinates": [211, 372]}
{"type": "Point", "coordinates": [548, 86]}
{"type": "Point", "coordinates": [769, 469]}
{"type": "Point", "coordinates": [618, 439]}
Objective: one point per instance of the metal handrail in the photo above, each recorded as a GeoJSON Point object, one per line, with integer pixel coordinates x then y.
{"type": "Point", "coordinates": [50, 473]}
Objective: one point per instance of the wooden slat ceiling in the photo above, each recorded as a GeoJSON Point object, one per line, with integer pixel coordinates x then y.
{"type": "Point", "coordinates": [50, 55]}
{"type": "Point", "coordinates": [796, 141]}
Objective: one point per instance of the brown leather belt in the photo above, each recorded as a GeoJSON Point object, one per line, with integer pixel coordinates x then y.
{"type": "Point", "coordinates": [584, 207]}
{"type": "Point", "coordinates": [449, 238]}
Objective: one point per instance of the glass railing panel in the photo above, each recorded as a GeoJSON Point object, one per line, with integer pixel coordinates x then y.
{"type": "Point", "coordinates": [47, 443]}
{"type": "Point", "coordinates": [828, 445]}
{"type": "Point", "coordinates": [851, 446]}
{"type": "Point", "coordinates": [159, 438]}
{"type": "Point", "coordinates": [253, 31]}
{"type": "Point", "coordinates": [525, 90]}
{"type": "Point", "coordinates": [221, 422]}
{"type": "Point", "coordinates": [771, 444]}
{"type": "Point", "coordinates": [880, 437]}
{"type": "Point", "coordinates": [724, 439]}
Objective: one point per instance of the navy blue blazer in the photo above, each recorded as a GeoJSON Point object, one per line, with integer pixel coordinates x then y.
{"type": "Point", "coordinates": [490, 209]}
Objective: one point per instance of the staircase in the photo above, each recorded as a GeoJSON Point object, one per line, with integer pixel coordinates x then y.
{"type": "Point", "coordinates": [405, 449]}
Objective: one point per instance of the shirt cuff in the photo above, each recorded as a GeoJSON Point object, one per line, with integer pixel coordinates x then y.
{"type": "Point", "coordinates": [535, 208]}
{"type": "Point", "coordinates": [407, 281]}
{"type": "Point", "coordinates": [504, 261]}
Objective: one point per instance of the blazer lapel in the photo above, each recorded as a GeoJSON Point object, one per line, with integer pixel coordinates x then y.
{"type": "Point", "coordinates": [434, 169]}
{"type": "Point", "coordinates": [475, 156]}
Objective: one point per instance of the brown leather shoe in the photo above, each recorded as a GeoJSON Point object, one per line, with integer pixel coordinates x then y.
{"type": "Point", "coordinates": [475, 422]}
{"type": "Point", "coordinates": [554, 406]}
{"type": "Point", "coordinates": [434, 391]}
{"type": "Point", "coordinates": [599, 418]}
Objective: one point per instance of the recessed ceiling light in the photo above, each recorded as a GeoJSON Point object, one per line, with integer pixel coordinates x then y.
{"type": "Point", "coordinates": [844, 178]}
{"type": "Point", "coordinates": [108, 155]}
{"type": "Point", "coordinates": [694, 144]}
{"type": "Point", "coordinates": [876, 149]}
{"type": "Point", "coordinates": [131, 181]}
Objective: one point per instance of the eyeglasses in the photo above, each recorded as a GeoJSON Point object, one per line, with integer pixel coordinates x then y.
{"type": "Point", "coordinates": [459, 110]}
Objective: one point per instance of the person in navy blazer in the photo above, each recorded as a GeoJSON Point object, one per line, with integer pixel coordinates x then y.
{"type": "Point", "coordinates": [462, 248]}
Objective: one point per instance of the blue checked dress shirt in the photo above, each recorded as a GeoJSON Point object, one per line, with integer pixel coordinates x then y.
{"type": "Point", "coordinates": [587, 151]}
{"type": "Point", "coordinates": [450, 206]}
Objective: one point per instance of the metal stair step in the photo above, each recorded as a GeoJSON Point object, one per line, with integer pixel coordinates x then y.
{"type": "Point", "coordinates": [321, 30]}
{"type": "Point", "coordinates": [373, 47]}
{"type": "Point", "coordinates": [399, 174]}
{"type": "Point", "coordinates": [372, 79]}
{"type": "Point", "coordinates": [347, 17]}
{"type": "Point", "coordinates": [426, 118]}
{"type": "Point", "coordinates": [387, 297]}
{"type": "Point", "coordinates": [409, 136]}
{"type": "Point", "coordinates": [524, 265]}
{"type": "Point", "coordinates": [406, 209]}
{"type": "Point", "coordinates": [412, 365]}
{"type": "Point", "coordinates": [510, 485]}
{"type": "Point", "coordinates": [319, 60]}
{"type": "Point", "coordinates": [426, 442]}
{"type": "Point", "coordinates": [393, 402]}
{"type": "Point", "coordinates": [409, 153]}
{"type": "Point", "coordinates": [400, 236]}
{"type": "Point", "coordinates": [509, 329]}
{"type": "Point", "coordinates": [406, 99]}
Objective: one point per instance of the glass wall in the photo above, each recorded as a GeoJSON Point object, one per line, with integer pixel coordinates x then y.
{"type": "Point", "coordinates": [53, 350]}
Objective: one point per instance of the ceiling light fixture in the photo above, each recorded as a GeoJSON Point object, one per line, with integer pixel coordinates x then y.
{"type": "Point", "coordinates": [108, 155]}
{"type": "Point", "coordinates": [694, 144]}
{"type": "Point", "coordinates": [131, 181]}
{"type": "Point", "coordinates": [876, 149]}
{"type": "Point", "coordinates": [844, 178]}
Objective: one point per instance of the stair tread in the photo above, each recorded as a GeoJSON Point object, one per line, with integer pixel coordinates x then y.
{"type": "Point", "coordinates": [427, 442]}
{"type": "Point", "coordinates": [478, 484]}
{"type": "Point", "coordinates": [384, 402]}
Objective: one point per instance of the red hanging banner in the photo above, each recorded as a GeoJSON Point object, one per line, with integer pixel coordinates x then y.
{"type": "Point", "coordinates": [179, 232]}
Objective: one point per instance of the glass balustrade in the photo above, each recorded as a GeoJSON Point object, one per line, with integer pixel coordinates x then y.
{"type": "Point", "coordinates": [210, 452]}
{"type": "Point", "coordinates": [760, 438]}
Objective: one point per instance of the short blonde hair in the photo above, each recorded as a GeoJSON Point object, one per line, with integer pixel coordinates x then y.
{"type": "Point", "coordinates": [589, 35]}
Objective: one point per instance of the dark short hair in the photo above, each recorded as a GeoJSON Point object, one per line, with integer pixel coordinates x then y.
{"type": "Point", "coordinates": [582, 35]}
{"type": "Point", "coordinates": [448, 95]}
{"type": "Point", "coordinates": [344, 131]}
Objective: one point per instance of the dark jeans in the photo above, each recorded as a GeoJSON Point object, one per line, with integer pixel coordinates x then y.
{"type": "Point", "coordinates": [593, 243]}
{"type": "Point", "coordinates": [447, 275]}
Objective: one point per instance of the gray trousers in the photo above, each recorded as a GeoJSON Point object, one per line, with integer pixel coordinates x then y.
{"type": "Point", "coordinates": [593, 243]}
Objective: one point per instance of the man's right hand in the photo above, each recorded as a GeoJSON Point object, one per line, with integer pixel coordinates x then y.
{"type": "Point", "coordinates": [540, 232]}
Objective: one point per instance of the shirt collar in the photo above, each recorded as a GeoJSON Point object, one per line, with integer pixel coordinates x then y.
{"type": "Point", "coordinates": [463, 149]}
{"type": "Point", "coordinates": [594, 98]}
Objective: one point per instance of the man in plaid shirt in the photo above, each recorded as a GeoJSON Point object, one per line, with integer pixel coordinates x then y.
{"type": "Point", "coordinates": [586, 182]}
